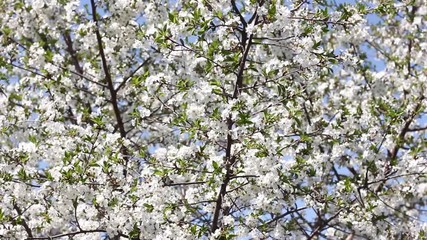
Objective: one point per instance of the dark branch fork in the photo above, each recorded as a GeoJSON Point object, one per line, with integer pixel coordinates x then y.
{"type": "Point", "coordinates": [23, 223]}
{"type": "Point", "coordinates": [229, 161]}
{"type": "Point", "coordinates": [112, 90]}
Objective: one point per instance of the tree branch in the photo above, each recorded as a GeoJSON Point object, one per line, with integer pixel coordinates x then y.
{"type": "Point", "coordinates": [126, 79]}
{"type": "Point", "coordinates": [23, 222]}
{"type": "Point", "coordinates": [72, 52]}
{"type": "Point", "coordinates": [236, 10]}
{"type": "Point", "coordinates": [285, 214]}
{"type": "Point", "coordinates": [109, 80]}
{"type": "Point", "coordinates": [324, 223]}
{"type": "Point", "coordinates": [229, 159]}
{"type": "Point", "coordinates": [66, 234]}
{"type": "Point", "coordinates": [183, 184]}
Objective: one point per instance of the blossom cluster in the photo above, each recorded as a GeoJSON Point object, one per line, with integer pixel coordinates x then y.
{"type": "Point", "coordinates": [191, 119]}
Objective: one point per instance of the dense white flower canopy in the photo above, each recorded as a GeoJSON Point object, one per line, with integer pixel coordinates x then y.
{"type": "Point", "coordinates": [213, 119]}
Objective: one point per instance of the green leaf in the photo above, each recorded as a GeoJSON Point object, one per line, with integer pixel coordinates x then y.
{"type": "Point", "coordinates": [2, 215]}
{"type": "Point", "coordinates": [113, 202]}
{"type": "Point", "coordinates": [272, 10]}
{"type": "Point", "coordinates": [216, 167]}
{"type": "Point", "coordinates": [316, 44]}
{"type": "Point", "coordinates": [217, 91]}
{"type": "Point", "coordinates": [422, 235]}
{"type": "Point", "coordinates": [134, 234]}
{"type": "Point", "coordinates": [215, 82]}
{"type": "Point", "coordinates": [216, 114]}
{"type": "Point", "coordinates": [173, 16]}
{"type": "Point", "coordinates": [244, 119]}
{"type": "Point", "coordinates": [305, 137]}
{"type": "Point", "coordinates": [98, 120]}
{"type": "Point", "coordinates": [184, 84]}
{"type": "Point", "coordinates": [193, 230]}
{"type": "Point", "coordinates": [22, 175]}
{"type": "Point", "coordinates": [347, 185]}
{"type": "Point", "coordinates": [48, 175]}
{"type": "Point", "coordinates": [6, 30]}
{"type": "Point", "coordinates": [32, 139]}
{"type": "Point", "coordinates": [48, 55]}
{"type": "Point", "coordinates": [159, 172]}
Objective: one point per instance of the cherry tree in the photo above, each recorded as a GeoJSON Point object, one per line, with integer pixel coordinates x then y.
{"type": "Point", "coordinates": [213, 119]}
